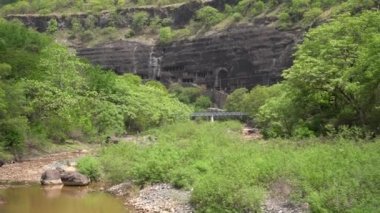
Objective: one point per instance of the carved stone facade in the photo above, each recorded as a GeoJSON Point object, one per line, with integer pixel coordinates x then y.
{"type": "Point", "coordinates": [243, 56]}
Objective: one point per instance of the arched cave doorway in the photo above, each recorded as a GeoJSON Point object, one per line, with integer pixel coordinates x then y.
{"type": "Point", "coordinates": [221, 81]}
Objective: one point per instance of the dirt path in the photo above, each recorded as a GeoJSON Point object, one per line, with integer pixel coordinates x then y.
{"type": "Point", "coordinates": [31, 170]}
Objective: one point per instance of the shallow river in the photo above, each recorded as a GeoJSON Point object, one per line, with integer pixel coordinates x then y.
{"type": "Point", "coordinates": [37, 199]}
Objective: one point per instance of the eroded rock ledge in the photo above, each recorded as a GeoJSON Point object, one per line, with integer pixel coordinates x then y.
{"type": "Point", "coordinates": [242, 56]}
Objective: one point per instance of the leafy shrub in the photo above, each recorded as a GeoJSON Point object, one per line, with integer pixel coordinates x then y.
{"type": "Point", "coordinates": [129, 34]}
{"type": "Point", "coordinates": [12, 135]}
{"type": "Point", "coordinates": [90, 22]}
{"type": "Point", "coordinates": [76, 25]}
{"type": "Point", "coordinates": [209, 16]}
{"type": "Point", "coordinates": [87, 36]}
{"type": "Point", "coordinates": [187, 95]}
{"type": "Point", "coordinates": [227, 174]}
{"type": "Point", "coordinates": [48, 94]}
{"type": "Point", "coordinates": [117, 20]}
{"type": "Point", "coordinates": [202, 102]}
{"type": "Point", "coordinates": [166, 35]}
{"type": "Point", "coordinates": [244, 6]}
{"type": "Point", "coordinates": [89, 166]}
{"type": "Point", "coordinates": [311, 15]}
{"type": "Point", "coordinates": [52, 26]}
{"type": "Point", "coordinates": [302, 131]}
{"type": "Point", "coordinates": [237, 16]}
{"type": "Point", "coordinates": [284, 19]}
{"type": "Point", "coordinates": [139, 20]}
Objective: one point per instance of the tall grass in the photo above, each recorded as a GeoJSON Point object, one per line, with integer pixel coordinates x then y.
{"type": "Point", "coordinates": [229, 174]}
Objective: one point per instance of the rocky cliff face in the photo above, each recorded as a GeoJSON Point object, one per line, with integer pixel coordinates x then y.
{"type": "Point", "coordinates": [242, 56]}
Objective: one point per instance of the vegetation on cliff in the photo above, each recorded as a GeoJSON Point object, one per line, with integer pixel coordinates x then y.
{"type": "Point", "coordinates": [48, 94]}
{"type": "Point", "coordinates": [51, 6]}
{"type": "Point", "coordinates": [203, 18]}
{"type": "Point", "coordinates": [333, 86]}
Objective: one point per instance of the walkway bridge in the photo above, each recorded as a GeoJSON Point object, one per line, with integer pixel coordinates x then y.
{"type": "Point", "coordinates": [219, 115]}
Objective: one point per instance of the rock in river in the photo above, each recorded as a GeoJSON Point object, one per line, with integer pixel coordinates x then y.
{"type": "Point", "coordinates": [51, 177]}
{"type": "Point", "coordinates": [74, 179]}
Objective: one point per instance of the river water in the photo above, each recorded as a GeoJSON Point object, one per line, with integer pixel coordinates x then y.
{"type": "Point", "coordinates": [58, 199]}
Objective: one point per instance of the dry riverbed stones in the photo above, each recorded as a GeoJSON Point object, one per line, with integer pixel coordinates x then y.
{"type": "Point", "coordinates": [162, 198]}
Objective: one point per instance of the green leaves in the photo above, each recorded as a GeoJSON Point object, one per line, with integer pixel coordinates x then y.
{"type": "Point", "coordinates": [334, 81]}
{"type": "Point", "coordinates": [209, 16]}
{"type": "Point", "coordinates": [331, 61]}
{"type": "Point", "coordinates": [54, 95]}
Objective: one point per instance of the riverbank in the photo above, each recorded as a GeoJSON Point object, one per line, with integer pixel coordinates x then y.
{"type": "Point", "coordinates": [227, 172]}
{"type": "Point", "coordinates": [30, 170]}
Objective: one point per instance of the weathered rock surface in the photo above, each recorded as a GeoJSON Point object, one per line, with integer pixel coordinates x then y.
{"type": "Point", "coordinates": [2, 163]}
{"type": "Point", "coordinates": [74, 179]}
{"type": "Point", "coordinates": [242, 56]}
{"type": "Point", "coordinates": [162, 198]}
{"type": "Point", "coordinates": [122, 189]}
{"type": "Point", "coordinates": [51, 177]}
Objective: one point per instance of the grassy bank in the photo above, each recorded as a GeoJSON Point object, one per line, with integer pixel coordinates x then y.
{"type": "Point", "coordinates": [229, 174]}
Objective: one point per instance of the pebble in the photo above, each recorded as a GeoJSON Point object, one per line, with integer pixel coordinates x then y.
{"type": "Point", "coordinates": [162, 198]}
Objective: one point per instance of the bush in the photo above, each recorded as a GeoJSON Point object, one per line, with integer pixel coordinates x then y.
{"type": "Point", "coordinates": [13, 133]}
{"type": "Point", "coordinates": [90, 22]}
{"type": "Point", "coordinates": [139, 20]}
{"type": "Point", "coordinates": [202, 102]}
{"type": "Point", "coordinates": [284, 19]}
{"type": "Point", "coordinates": [237, 16]}
{"type": "Point", "coordinates": [76, 25]}
{"type": "Point", "coordinates": [129, 34]}
{"type": "Point", "coordinates": [311, 15]}
{"type": "Point", "coordinates": [87, 36]}
{"type": "Point", "coordinates": [52, 26]}
{"type": "Point", "coordinates": [187, 95]}
{"type": "Point", "coordinates": [209, 16]}
{"type": "Point", "coordinates": [230, 175]}
{"type": "Point", "coordinates": [90, 166]}
{"type": "Point", "coordinates": [166, 35]}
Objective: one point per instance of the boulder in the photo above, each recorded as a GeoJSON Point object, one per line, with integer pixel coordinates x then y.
{"type": "Point", "coordinates": [2, 163]}
{"type": "Point", "coordinates": [51, 177]}
{"type": "Point", "coordinates": [74, 179]}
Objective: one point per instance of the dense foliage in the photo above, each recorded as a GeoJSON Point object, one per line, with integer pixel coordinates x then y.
{"type": "Point", "coordinates": [294, 13]}
{"type": "Point", "coordinates": [228, 174]}
{"type": "Point", "coordinates": [195, 97]}
{"type": "Point", "coordinates": [47, 93]}
{"type": "Point", "coordinates": [334, 83]}
{"type": "Point", "coordinates": [49, 6]}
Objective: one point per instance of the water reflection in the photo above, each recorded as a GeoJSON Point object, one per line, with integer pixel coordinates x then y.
{"type": "Point", "coordinates": [57, 199]}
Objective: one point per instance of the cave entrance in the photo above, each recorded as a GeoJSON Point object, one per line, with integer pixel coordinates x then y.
{"type": "Point", "coordinates": [222, 80]}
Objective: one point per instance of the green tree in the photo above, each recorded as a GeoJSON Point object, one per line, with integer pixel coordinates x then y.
{"type": "Point", "coordinates": [236, 100]}
{"type": "Point", "coordinates": [337, 71]}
